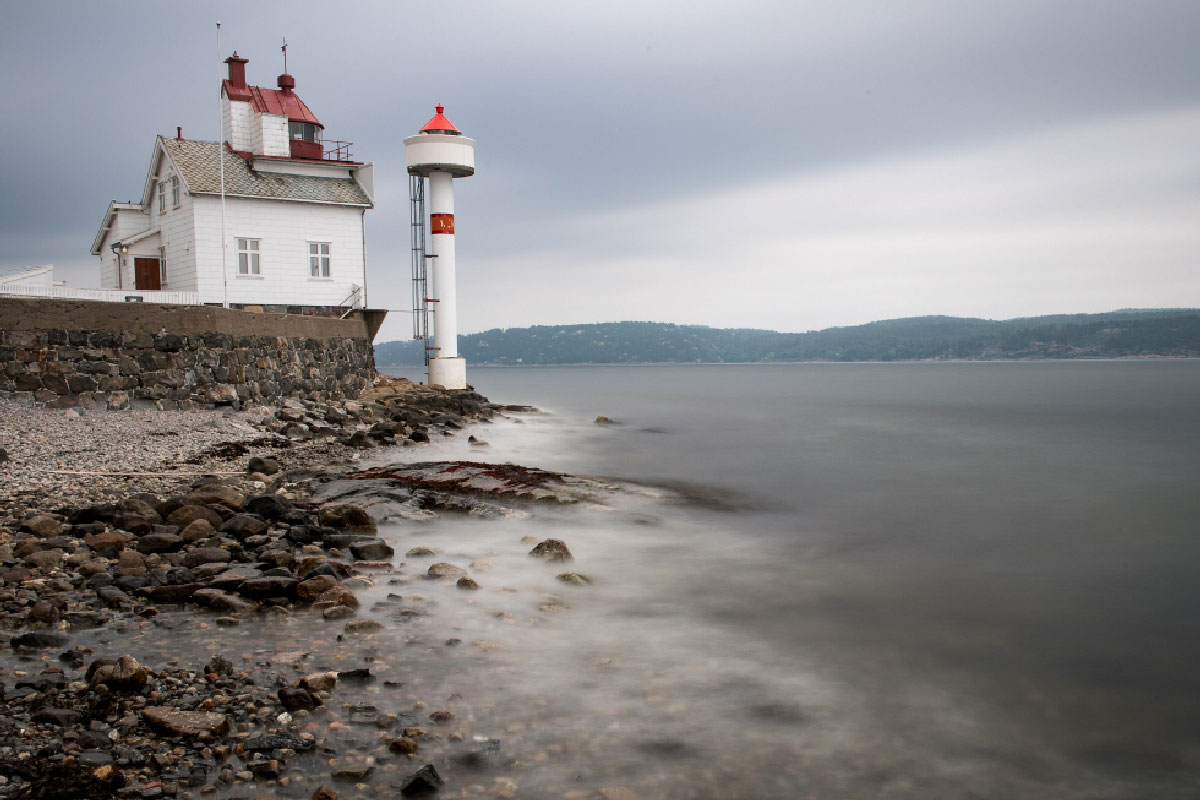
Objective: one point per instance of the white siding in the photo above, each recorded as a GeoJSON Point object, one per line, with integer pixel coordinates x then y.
{"type": "Point", "coordinates": [273, 136]}
{"type": "Point", "coordinates": [239, 124]}
{"type": "Point", "coordinates": [285, 229]}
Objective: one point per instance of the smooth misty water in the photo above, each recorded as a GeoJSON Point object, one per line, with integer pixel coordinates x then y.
{"type": "Point", "coordinates": [967, 580]}
{"type": "Point", "coordinates": [958, 580]}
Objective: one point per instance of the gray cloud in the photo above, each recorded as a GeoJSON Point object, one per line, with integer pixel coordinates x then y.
{"type": "Point", "coordinates": [597, 122]}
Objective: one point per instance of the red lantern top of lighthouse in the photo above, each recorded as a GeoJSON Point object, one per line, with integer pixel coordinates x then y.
{"type": "Point", "coordinates": [439, 124]}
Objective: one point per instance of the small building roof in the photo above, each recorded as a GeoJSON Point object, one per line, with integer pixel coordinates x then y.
{"type": "Point", "coordinates": [199, 164]}
{"type": "Point", "coordinates": [272, 101]}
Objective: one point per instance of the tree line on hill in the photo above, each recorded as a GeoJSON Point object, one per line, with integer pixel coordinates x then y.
{"type": "Point", "coordinates": [1118, 334]}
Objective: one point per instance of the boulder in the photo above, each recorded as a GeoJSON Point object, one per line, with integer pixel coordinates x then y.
{"type": "Point", "coordinates": [265, 465]}
{"type": "Point", "coordinates": [467, 583]}
{"type": "Point", "coordinates": [319, 682]}
{"type": "Point", "coordinates": [170, 720]}
{"type": "Point", "coordinates": [43, 612]}
{"type": "Point", "coordinates": [179, 593]}
{"type": "Point", "coordinates": [216, 494]}
{"type": "Point", "coordinates": [159, 543]}
{"type": "Point", "coordinates": [419, 552]}
{"type": "Point", "coordinates": [206, 555]}
{"type": "Point", "coordinates": [312, 588]}
{"type": "Point", "coordinates": [222, 601]}
{"type": "Point", "coordinates": [347, 517]}
{"type": "Point", "coordinates": [242, 526]}
{"type": "Point", "coordinates": [103, 539]}
{"type": "Point", "coordinates": [37, 640]}
{"type": "Point", "coordinates": [269, 506]}
{"type": "Point", "coordinates": [197, 530]}
{"type": "Point", "coordinates": [43, 525]}
{"type": "Point", "coordinates": [297, 699]}
{"type": "Point", "coordinates": [443, 570]}
{"type": "Point", "coordinates": [422, 782]}
{"type": "Point", "coordinates": [371, 550]}
{"type": "Point", "coordinates": [339, 595]}
{"type": "Point", "coordinates": [573, 578]}
{"type": "Point", "coordinates": [135, 516]}
{"type": "Point", "coordinates": [190, 511]}
{"type": "Point", "coordinates": [553, 550]}
{"type": "Point", "coordinates": [308, 534]}
{"type": "Point", "coordinates": [269, 586]}
{"type": "Point", "coordinates": [126, 675]}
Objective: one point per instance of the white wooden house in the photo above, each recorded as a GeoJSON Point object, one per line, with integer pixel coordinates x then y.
{"type": "Point", "coordinates": [293, 219]}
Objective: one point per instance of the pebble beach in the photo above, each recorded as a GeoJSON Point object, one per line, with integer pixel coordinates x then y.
{"type": "Point", "coordinates": [126, 535]}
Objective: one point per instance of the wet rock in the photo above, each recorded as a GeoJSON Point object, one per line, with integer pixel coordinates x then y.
{"type": "Point", "coordinates": [113, 597]}
{"type": "Point", "coordinates": [126, 675]}
{"type": "Point", "coordinates": [404, 746]}
{"type": "Point", "coordinates": [230, 580]}
{"type": "Point", "coordinates": [130, 563]}
{"type": "Point", "coordinates": [324, 793]}
{"type": "Point", "coordinates": [269, 506]}
{"type": "Point", "coordinates": [308, 534]}
{"type": "Point", "coordinates": [243, 526]}
{"type": "Point", "coordinates": [553, 550]}
{"type": "Point", "coordinates": [372, 550]}
{"type": "Point", "coordinates": [265, 743]}
{"type": "Point", "coordinates": [338, 612]}
{"type": "Point", "coordinates": [441, 716]}
{"type": "Point", "coordinates": [347, 517]}
{"type": "Point", "coordinates": [42, 612]}
{"type": "Point", "coordinates": [42, 525]}
{"type": "Point", "coordinates": [45, 560]}
{"type": "Point", "coordinates": [363, 626]}
{"type": "Point", "coordinates": [216, 494]}
{"type": "Point", "coordinates": [297, 699]}
{"type": "Point", "coordinates": [37, 640]}
{"type": "Point", "coordinates": [222, 601]}
{"type": "Point", "coordinates": [219, 665]}
{"type": "Point", "coordinates": [444, 570]}
{"type": "Point", "coordinates": [190, 512]}
{"type": "Point", "coordinates": [265, 465]}
{"type": "Point", "coordinates": [360, 674]}
{"type": "Point", "coordinates": [352, 772]}
{"type": "Point", "coordinates": [159, 543]}
{"type": "Point", "coordinates": [603, 420]}
{"type": "Point", "coordinates": [179, 593]}
{"type": "Point", "coordinates": [419, 436]}
{"type": "Point", "coordinates": [171, 720]}
{"type": "Point", "coordinates": [312, 588]}
{"type": "Point", "coordinates": [424, 781]}
{"type": "Point", "coordinates": [419, 552]}
{"type": "Point", "coordinates": [573, 578]}
{"type": "Point", "coordinates": [269, 586]}
{"type": "Point", "coordinates": [468, 584]}
{"type": "Point", "coordinates": [319, 681]}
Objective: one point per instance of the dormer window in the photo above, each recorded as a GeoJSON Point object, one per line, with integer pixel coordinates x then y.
{"type": "Point", "coordinates": [304, 132]}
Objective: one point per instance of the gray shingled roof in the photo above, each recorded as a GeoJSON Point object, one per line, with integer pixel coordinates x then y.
{"type": "Point", "coordinates": [197, 161]}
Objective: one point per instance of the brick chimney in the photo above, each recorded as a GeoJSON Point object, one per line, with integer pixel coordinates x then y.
{"type": "Point", "coordinates": [237, 70]}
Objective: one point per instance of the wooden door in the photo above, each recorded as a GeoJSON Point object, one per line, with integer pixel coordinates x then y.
{"type": "Point", "coordinates": [145, 274]}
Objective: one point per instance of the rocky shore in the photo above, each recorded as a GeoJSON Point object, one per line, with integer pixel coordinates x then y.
{"type": "Point", "coordinates": [151, 524]}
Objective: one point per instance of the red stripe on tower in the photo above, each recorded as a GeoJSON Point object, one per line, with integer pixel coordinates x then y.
{"type": "Point", "coordinates": [441, 223]}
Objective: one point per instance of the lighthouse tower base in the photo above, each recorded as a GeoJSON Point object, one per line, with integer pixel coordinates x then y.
{"type": "Point", "coordinates": [449, 373]}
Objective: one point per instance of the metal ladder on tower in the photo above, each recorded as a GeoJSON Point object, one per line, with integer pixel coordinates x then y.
{"type": "Point", "coordinates": [420, 278]}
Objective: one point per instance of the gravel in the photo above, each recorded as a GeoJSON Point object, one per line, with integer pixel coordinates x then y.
{"type": "Point", "coordinates": [39, 440]}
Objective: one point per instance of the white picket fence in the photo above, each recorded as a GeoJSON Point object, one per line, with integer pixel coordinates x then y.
{"type": "Point", "coordinates": [105, 295]}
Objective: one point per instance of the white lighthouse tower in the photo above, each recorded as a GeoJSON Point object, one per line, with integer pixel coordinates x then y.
{"type": "Point", "coordinates": [440, 153]}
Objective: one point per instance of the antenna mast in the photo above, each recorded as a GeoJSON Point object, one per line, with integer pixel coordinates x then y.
{"type": "Point", "coordinates": [284, 48]}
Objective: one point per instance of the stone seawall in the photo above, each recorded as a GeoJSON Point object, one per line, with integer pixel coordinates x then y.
{"type": "Point", "coordinates": [118, 355]}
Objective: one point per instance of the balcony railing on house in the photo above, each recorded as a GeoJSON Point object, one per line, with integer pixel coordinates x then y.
{"type": "Point", "coordinates": [106, 295]}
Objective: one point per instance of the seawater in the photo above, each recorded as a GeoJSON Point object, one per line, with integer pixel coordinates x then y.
{"type": "Point", "coordinates": [880, 580]}
{"type": "Point", "coordinates": [953, 580]}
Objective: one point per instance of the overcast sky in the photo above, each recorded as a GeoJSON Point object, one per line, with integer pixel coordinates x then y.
{"type": "Point", "coordinates": [789, 165]}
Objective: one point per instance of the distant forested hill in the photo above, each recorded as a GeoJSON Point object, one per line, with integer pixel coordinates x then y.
{"type": "Point", "coordinates": [1174, 332]}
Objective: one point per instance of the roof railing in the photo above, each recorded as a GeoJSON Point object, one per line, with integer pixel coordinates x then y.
{"type": "Point", "coordinates": [339, 152]}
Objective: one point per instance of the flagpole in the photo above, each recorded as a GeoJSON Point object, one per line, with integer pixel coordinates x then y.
{"type": "Point", "coordinates": [221, 169]}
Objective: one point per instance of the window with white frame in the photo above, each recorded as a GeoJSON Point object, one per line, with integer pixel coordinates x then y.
{"type": "Point", "coordinates": [162, 266]}
{"type": "Point", "coordinates": [248, 255]}
{"type": "Point", "coordinates": [162, 197]}
{"type": "Point", "coordinates": [318, 259]}
{"type": "Point", "coordinates": [175, 191]}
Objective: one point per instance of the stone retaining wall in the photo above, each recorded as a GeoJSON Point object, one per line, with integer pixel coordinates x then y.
{"type": "Point", "coordinates": [118, 355]}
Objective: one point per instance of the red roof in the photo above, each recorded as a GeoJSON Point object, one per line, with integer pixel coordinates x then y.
{"type": "Point", "coordinates": [439, 122]}
{"type": "Point", "coordinates": [272, 101]}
